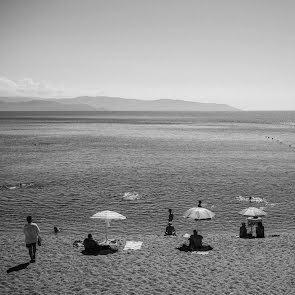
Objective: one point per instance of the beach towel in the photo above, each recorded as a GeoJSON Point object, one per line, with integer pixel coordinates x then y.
{"type": "Point", "coordinates": [133, 245]}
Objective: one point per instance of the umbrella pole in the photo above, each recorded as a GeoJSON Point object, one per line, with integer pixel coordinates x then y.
{"type": "Point", "coordinates": [106, 231]}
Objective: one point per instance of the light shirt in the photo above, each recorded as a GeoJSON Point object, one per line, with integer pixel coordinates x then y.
{"type": "Point", "coordinates": [31, 232]}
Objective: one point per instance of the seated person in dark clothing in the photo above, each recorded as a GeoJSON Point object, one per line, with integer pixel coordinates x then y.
{"type": "Point", "coordinates": [93, 248]}
{"type": "Point", "coordinates": [89, 244]}
{"type": "Point", "coordinates": [243, 231]}
{"type": "Point", "coordinates": [260, 230]}
{"type": "Point", "coordinates": [195, 241]}
{"type": "Point", "coordinates": [170, 230]}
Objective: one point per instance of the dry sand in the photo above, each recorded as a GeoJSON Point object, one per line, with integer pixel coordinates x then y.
{"type": "Point", "coordinates": [234, 266]}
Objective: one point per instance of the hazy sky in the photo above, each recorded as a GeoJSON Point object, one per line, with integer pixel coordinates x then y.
{"type": "Point", "coordinates": [241, 53]}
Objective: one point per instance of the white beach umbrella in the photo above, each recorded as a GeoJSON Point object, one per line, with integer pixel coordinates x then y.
{"type": "Point", "coordinates": [252, 212]}
{"type": "Point", "coordinates": [198, 213]}
{"type": "Point", "coordinates": [108, 216]}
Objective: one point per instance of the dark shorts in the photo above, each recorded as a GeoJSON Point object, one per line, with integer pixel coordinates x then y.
{"type": "Point", "coordinates": [31, 245]}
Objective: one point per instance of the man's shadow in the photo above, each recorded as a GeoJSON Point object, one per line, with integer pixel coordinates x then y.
{"type": "Point", "coordinates": [18, 267]}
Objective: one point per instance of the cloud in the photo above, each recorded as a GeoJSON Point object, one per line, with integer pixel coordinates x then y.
{"type": "Point", "coordinates": [28, 87]}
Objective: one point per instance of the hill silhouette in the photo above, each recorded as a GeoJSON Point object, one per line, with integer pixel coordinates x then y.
{"type": "Point", "coordinates": [100, 103]}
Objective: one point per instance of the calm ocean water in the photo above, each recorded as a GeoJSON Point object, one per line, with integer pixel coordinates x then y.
{"type": "Point", "coordinates": [80, 163]}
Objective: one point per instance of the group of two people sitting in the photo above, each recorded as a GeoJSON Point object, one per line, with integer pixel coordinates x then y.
{"type": "Point", "coordinates": [259, 231]}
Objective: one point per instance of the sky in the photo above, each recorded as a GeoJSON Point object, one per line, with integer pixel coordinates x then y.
{"type": "Point", "coordinates": [240, 53]}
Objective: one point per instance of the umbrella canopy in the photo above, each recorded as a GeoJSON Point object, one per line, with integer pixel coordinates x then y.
{"type": "Point", "coordinates": [108, 216]}
{"type": "Point", "coordinates": [198, 213]}
{"type": "Point", "coordinates": [252, 211]}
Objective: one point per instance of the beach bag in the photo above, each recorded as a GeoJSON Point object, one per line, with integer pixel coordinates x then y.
{"type": "Point", "coordinates": [39, 241]}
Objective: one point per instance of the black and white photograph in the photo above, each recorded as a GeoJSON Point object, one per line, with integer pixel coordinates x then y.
{"type": "Point", "coordinates": [147, 147]}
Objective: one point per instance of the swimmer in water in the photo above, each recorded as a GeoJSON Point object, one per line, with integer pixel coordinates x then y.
{"type": "Point", "coordinates": [56, 229]}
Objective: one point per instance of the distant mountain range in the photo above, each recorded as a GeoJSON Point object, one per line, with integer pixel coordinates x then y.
{"type": "Point", "coordinates": [104, 103]}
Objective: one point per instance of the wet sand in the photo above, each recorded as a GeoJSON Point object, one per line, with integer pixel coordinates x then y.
{"type": "Point", "coordinates": [234, 266]}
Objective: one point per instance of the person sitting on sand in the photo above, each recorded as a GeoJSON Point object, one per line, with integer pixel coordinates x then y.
{"type": "Point", "coordinates": [89, 244]}
{"type": "Point", "coordinates": [195, 241]}
{"type": "Point", "coordinates": [260, 230]}
{"type": "Point", "coordinates": [243, 231]}
{"type": "Point", "coordinates": [170, 230]}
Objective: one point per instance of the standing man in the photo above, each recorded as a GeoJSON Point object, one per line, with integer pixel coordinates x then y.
{"type": "Point", "coordinates": [31, 231]}
{"type": "Point", "coordinates": [200, 204]}
{"type": "Point", "coordinates": [170, 217]}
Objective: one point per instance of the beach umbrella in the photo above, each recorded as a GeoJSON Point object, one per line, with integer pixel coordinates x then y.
{"type": "Point", "coordinates": [252, 212]}
{"type": "Point", "coordinates": [108, 216]}
{"type": "Point", "coordinates": [198, 213]}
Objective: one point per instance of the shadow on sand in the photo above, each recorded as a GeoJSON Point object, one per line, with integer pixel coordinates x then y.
{"type": "Point", "coordinates": [99, 252]}
{"type": "Point", "coordinates": [18, 267]}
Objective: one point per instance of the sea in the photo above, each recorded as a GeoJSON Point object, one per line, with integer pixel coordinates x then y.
{"type": "Point", "coordinates": [63, 167]}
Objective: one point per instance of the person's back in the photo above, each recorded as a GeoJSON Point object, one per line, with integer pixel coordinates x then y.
{"type": "Point", "coordinates": [31, 231]}
{"type": "Point", "coordinates": [170, 230]}
{"type": "Point", "coordinates": [243, 231]}
{"type": "Point", "coordinates": [196, 241]}
{"type": "Point", "coordinates": [89, 243]}
{"type": "Point", "coordinates": [260, 230]}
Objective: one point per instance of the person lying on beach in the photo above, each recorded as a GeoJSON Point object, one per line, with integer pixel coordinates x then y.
{"type": "Point", "coordinates": [170, 230]}
{"type": "Point", "coordinates": [243, 231]}
{"type": "Point", "coordinates": [195, 241]}
{"type": "Point", "coordinates": [260, 230]}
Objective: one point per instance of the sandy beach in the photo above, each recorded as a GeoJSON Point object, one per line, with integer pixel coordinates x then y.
{"type": "Point", "coordinates": [234, 266]}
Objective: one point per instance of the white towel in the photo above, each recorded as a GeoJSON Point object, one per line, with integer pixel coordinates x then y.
{"type": "Point", "coordinates": [200, 252]}
{"type": "Point", "coordinates": [132, 245]}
